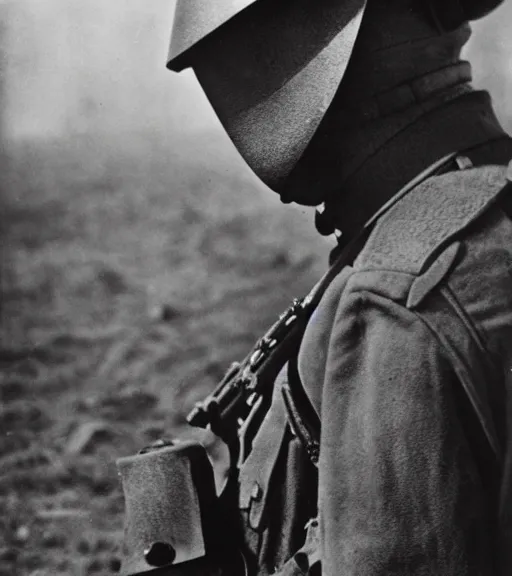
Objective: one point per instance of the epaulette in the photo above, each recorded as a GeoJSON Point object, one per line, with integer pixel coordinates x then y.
{"type": "Point", "coordinates": [408, 237]}
{"type": "Point", "coordinates": [420, 236]}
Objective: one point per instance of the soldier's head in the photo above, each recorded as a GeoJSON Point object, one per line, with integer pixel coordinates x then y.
{"type": "Point", "coordinates": [272, 70]}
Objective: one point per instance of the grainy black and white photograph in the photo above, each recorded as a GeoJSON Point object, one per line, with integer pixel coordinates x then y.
{"type": "Point", "coordinates": [256, 287]}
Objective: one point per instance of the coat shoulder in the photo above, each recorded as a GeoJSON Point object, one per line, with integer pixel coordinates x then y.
{"type": "Point", "coordinates": [425, 241]}
{"type": "Point", "coordinates": [418, 228]}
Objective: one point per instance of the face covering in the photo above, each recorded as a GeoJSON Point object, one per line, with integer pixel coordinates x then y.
{"type": "Point", "coordinates": [269, 69]}
{"type": "Point", "coordinates": [278, 76]}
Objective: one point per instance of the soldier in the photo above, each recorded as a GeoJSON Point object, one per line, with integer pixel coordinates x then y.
{"type": "Point", "coordinates": [366, 108]}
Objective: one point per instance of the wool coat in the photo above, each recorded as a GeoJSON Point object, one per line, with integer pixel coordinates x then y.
{"type": "Point", "coordinates": [408, 360]}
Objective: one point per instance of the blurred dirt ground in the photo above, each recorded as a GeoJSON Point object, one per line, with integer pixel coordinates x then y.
{"type": "Point", "coordinates": [131, 276]}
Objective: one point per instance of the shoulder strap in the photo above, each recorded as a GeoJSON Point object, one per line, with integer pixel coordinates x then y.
{"type": "Point", "coordinates": [411, 233]}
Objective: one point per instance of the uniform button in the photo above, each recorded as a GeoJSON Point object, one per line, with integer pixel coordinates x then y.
{"type": "Point", "coordinates": [257, 492]}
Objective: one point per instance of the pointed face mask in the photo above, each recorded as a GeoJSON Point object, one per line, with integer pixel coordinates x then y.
{"type": "Point", "coordinates": [270, 70]}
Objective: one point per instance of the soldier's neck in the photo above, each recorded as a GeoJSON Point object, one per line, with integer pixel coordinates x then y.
{"type": "Point", "coordinates": [389, 156]}
{"type": "Point", "coordinates": [405, 102]}
{"type": "Point", "coordinates": [400, 118]}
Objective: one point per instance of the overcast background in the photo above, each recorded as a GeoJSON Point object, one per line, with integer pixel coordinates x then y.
{"type": "Point", "coordinates": [99, 66]}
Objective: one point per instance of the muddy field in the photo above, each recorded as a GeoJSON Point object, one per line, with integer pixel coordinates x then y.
{"type": "Point", "coordinates": [130, 280]}
{"type": "Point", "coordinates": [132, 275]}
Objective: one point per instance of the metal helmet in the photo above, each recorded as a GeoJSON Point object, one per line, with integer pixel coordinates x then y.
{"type": "Point", "coordinates": [270, 70]}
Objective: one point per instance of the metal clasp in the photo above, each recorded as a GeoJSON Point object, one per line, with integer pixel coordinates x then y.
{"type": "Point", "coordinates": [255, 402]}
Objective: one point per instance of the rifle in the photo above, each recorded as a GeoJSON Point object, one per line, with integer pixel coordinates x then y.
{"type": "Point", "coordinates": [236, 407]}
{"type": "Point", "coordinates": [173, 513]}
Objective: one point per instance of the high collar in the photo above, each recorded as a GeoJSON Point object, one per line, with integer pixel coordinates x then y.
{"type": "Point", "coordinates": [459, 124]}
{"type": "Point", "coordinates": [405, 101]}
{"type": "Point", "coordinates": [400, 68]}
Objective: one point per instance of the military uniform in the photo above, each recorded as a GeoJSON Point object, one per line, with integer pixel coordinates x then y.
{"type": "Point", "coordinates": [407, 479]}
{"type": "Point", "coordinates": [407, 358]}
{"type": "Point", "coordinates": [410, 480]}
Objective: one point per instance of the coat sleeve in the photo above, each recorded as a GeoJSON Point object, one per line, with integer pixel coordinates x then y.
{"type": "Point", "coordinates": [399, 490]}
